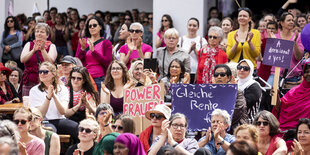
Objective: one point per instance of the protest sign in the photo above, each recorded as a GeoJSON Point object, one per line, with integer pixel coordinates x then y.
{"type": "Point", "coordinates": [198, 101]}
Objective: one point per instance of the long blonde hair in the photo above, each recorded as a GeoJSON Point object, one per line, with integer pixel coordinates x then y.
{"type": "Point", "coordinates": [52, 68]}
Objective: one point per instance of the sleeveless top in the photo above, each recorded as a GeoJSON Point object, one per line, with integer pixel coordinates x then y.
{"type": "Point", "coordinates": [47, 141]}
{"type": "Point", "coordinates": [117, 104]}
{"type": "Point", "coordinates": [60, 40]}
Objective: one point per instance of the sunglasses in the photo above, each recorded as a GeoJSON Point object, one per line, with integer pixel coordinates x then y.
{"type": "Point", "coordinates": [23, 122]}
{"type": "Point", "coordinates": [10, 21]}
{"type": "Point", "coordinates": [132, 31]}
{"type": "Point", "coordinates": [118, 127]}
{"type": "Point", "coordinates": [43, 71]}
{"type": "Point", "coordinates": [245, 68]}
{"type": "Point", "coordinates": [92, 26]}
{"type": "Point", "coordinates": [157, 116]}
{"type": "Point", "coordinates": [76, 78]}
{"type": "Point", "coordinates": [164, 20]}
{"type": "Point", "coordinates": [212, 37]}
{"type": "Point", "coordinates": [222, 74]}
{"type": "Point", "coordinates": [4, 72]}
{"type": "Point", "coordinates": [258, 123]}
{"type": "Point", "coordinates": [87, 130]}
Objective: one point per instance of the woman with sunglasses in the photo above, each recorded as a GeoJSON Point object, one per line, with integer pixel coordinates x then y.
{"type": "Point", "coordinates": [51, 139]}
{"type": "Point", "coordinates": [269, 134]}
{"type": "Point", "coordinates": [135, 48]}
{"type": "Point", "coordinates": [122, 38]}
{"type": "Point", "coordinates": [156, 116]}
{"type": "Point", "coordinates": [244, 43]}
{"type": "Point", "coordinates": [33, 54]}
{"type": "Point", "coordinates": [95, 51]}
{"type": "Point", "coordinates": [82, 95]}
{"type": "Point", "coordinates": [12, 41]}
{"type": "Point", "coordinates": [88, 132]}
{"type": "Point", "coordinates": [210, 56]}
{"type": "Point", "coordinates": [251, 89]}
{"type": "Point", "coordinates": [166, 23]}
{"type": "Point", "coordinates": [28, 144]}
{"type": "Point", "coordinates": [173, 134]}
{"type": "Point", "coordinates": [52, 99]}
{"type": "Point", "coordinates": [104, 115]}
{"type": "Point", "coordinates": [7, 90]}
{"type": "Point", "coordinates": [301, 144]}
{"type": "Point", "coordinates": [123, 124]}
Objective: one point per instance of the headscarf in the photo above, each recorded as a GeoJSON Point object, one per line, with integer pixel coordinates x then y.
{"type": "Point", "coordinates": [132, 68]}
{"type": "Point", "coordinates": [248, 81]}
{"type": "Point", "coordinates": [210, 63]}
{"type": "Point", "coordinates": [106, 144]}
{"type": "Point", "coordinates": [132, 142]}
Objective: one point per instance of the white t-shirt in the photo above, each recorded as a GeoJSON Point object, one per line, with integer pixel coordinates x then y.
{"type": "Point", "coordinates": [37, 98]}
{"type": "Point", "coordinates": [193, 57]}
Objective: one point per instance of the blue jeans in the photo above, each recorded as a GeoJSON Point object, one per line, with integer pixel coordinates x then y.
{"type": "Point", "coordinates": [98, 81]}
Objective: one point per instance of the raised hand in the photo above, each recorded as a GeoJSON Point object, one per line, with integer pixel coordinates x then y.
{"type": "Point", "coordinates": [297, 148]}
{"type": "Point", "coordinates": [91, 45]}
{"type": "Point", "coordinates": [83, 43]}
{"type": "Point", "coordinates": [187, 78]}
{"type": "Point", "coordinates": [236, 37]}
{"type": "Point", "coordinates": [139, 43]}
{"type": "Point", "coordinates": [296, 36]}
{"type": "Point", "coordinates": [103, 88]}
{"type": "Point", "coordinates": [164, 127]}
{"type": "Point", "coordinates": [250, 36]}
{"type": "Point", "coordinates": [193, 47]}
{"type": "Point", "coordinates": [130, 44]}
{"type": "Point", "coordinates": [50, 91]}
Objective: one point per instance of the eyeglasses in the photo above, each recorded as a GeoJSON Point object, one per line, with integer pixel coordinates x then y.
{"type": "Point", "coordinates": [4, 72]}
{"type": "Point", "coordinates": [157, 116]}
{"type": "Point", "coordinates": [10, 21]}
{"type": "Point", "coordinates": [164, 20]}
{"type": "Point", "coordinates": [102, 113]}
{"type": "Point", "coordinates": [222, 74]}
{"type": "Point", "coordinates": [132, 31]}
{"type": "Point", "coordinates": [150, 18]}
{"type": "Point", "coordinates": [117, 126]}
{"type": "Point", "coordinates": [116, 68]}
{"type": "Point", "coordinates": [212, 37]}
{"type": "Point", "coordinates": [23, 122]}
{"type": "Point", "coordinates": [258, 123]}
{"type": "Point", "coordinates": [76, 78]}
{"type": "Point", "coordinates": [245, 68]}
{"type": "Point", "coordinates": [176, 126]}
{"type": "Point", "coordinates": [92, 26]}
{"type": "Point", "coordinates": [87, 130]}
{"type": "Point", "coordinates": [43, 71]}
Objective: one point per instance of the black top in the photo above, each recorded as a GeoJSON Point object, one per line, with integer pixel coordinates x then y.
{"type": "Point", "coordinates": [74, 147]}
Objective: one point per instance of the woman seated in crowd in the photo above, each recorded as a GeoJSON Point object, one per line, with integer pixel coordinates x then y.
{"type": "Point", "coordinates": [51, 139]}
{"type": "Point", "coordinates": [250, 88]}
{"type": "Point", "coordinates": [52, 99]}
{"type": "Point", "coordinates": [106, 144]}
{"type": "Point", "coordinates": [222, 75]}
{"type": "Point", "coordinates": [28, 144]}
{"type": "Point", "coordinates": [122, 38]}
{"type": "Point", "coordinates": [114, 84]}
{"type": "Point", "coordinates": [192, 43]}
{"type": "Point", "coordinates": [7, 90]}
{"type": "Point", "coordinates": [166, 23]}
{"type": "Point", "coordinates": [217, 140]}
{"type": "Point", "coordinates": [227, 26]}
{"type": "Point", "coordinates": [166, 54]}
{"type": "Point", "coordinates": [128, 144]}
{"type": "Point", "coordinates": [67, 63]}
{"type": "Point", "coordinates": [123, 124]}
{"type": "Point", "coordinates": [247, 132]}
{"type": "Point", "coordinates": [269, 140]}
{"type": "Point", "coordinates": [82, 95]}
{"type": "Point", "coordinates": [88, 132]}
{"type": "Point", "coordinates": [175, 75]}
{"type": "Point", "coordinates": [173, 134]}
{"type": "Point", "coordinates": [302, 142]}
{"type": "Point", "coordinates": [34, 53]}
{"type": "Point", "coordinates": [157, 116]}
{"type": "Point", "coordinates": [104, 114]}
{"type": "Point", "coordinates": [15, 77]}
{"type": "Point", "coordinates": [140, 76]}
{"type": "Point", "coordinates": [135, 48]}
{"type": "Point", "coordinates": [242, 147]}
{"type": "Point", "coordinates": [210, 56]}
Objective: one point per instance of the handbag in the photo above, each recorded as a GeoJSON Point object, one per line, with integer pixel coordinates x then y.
{"type": "Point", "coordinates": [15, 53]}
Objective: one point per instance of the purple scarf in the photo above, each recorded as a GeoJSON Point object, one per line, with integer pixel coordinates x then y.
{"type": "Point", "coordinates": [132, 142]}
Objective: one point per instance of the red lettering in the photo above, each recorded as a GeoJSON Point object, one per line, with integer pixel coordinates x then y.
{"type": "Point", "coordinates": [127, 93]}
{"type": "Point", "coordinates": [141, 94]}
{"type": "Point", "coordinates": [156, 91]}
{"type": "Point", "coordinates": [131, 109]}
{"type": "Point", "coordinates": [125, 106]}
{"type": "Point", "coordinates": [148, 92]}
{"type": "Point", "coordinates": [133, 94]}
{"type": "Point", "coordinates": [150, 106]}
{"type": "Point", "coordinates": [141, 107]}
{"type": "Point", "coordinates": [137, 109]}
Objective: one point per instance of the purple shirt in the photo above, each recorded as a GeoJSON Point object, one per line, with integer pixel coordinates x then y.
{"type": "Point", "coordinates": [144, 47]}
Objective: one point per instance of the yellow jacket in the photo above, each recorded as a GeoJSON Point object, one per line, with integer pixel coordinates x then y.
{"type": "Point", "coordinates": [247, 53]}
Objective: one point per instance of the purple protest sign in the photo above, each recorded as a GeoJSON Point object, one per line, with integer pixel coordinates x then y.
{"type": "Point", "coordinates": [278, 52]}
{"type": "Point", "coordinates": [198, 101]}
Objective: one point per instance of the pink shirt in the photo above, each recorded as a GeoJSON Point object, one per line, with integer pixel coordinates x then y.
{"type": "Point", "coordinates": [163, 44]}
{"type": "Point", "coordinates": [144, 47]}
{"type": "Point", "coordinates": [35, 147]}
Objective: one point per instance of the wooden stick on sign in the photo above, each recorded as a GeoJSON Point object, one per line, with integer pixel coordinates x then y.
{"type": "Point", "coordinates": [275, 86]}
{"type": "Point", "coordinates": [238, 3]}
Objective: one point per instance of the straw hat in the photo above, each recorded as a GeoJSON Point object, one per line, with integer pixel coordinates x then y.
{"type": "Point", "coordinates": [162, 109]}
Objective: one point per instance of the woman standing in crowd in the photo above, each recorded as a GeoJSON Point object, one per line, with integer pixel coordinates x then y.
{"type": "Point", "coordinates": [123, 124]}
{"type": "Point", "coordinates": [78, 35]}
{"type": "Point", "coordinates": [28, 144]}
{"type": "Point", "coordinates": [301, 145]}
{"type": "Point", "coordinates": [82, 95]}
{"type": "Point", "coordinates": [122, 38]}
{"type": "Point", "coordinates": [210, 56]}
{"type": "Point", "coordinates": [227, 26]}
{"type": "Point", "coordinates": [157, 116]}
{"type": "Point", "coordinates": [29, 35]}
{"type": "Point", "coordinates": [12, 41]}
{"type": "Point", "coordinates": [88, 132]}
{"type": "Point", "coordinates": [7, 90]}
{"type": "Point", "coordinates": [173, 134]}
{"type": "Point", "coordinates": [51, 139]}
{"type": "Point", "coordinates": [244, 43]}
{"type": "Point", "coordinates": [128, 144]}
{"type": "Point", "coordinates": [15, 77]}
{"type": "Point", "coordinates": [33, 54]}
{"type": "Point", "coordinates": [166, 23]}
{"type": "Point", "coordinates": [114, 84]}
{"type": "Point", "coordinates": [94, 51]}
{"type": "Point", "coordinates": [269, 142]}
{"type": "Point", "coordinates": [135, 48]}
{"type": "Point", "coordinates": [60, 35]}
{"type": "Point", "coordinates": [218, 141]}
{"type": "Point", "coordinates": [104, 114]}
{"type": "Point", "coordinates": [250, 88]}
{"type": "Point", "coordinates": [192, 43]}
{"type": "Point", "coordinates": [52, 99]}
{"type": "Point", "coordinates": [301, 21]}
{"type": "Point", "coordinates": [166, 54]}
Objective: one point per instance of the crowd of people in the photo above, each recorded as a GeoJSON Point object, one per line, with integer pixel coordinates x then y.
{"type": "Point", "coordinates": [74, 69]}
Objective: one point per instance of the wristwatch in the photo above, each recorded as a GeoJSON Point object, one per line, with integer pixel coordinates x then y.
{"type": "Point", "coordinates": [221, 143]}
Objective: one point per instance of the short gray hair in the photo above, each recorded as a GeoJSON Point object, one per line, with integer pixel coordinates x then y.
{"type": "Point", "coordinates": [216, 30]}
{"type": "Point", "coordinates": [223, 113]}
{"type": "Point", "coordinates": [38, 18]}
{"type": "Point", "coordinates": [171, 32]}
{"type": "Point", "coordinates": [214, 20]}
{"type": "Point", "coordinates": [43, 25]}
{"type": "Point", "coordinates": [137, 24]}
{"type": "Point", "coordinates": [13, 145]}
